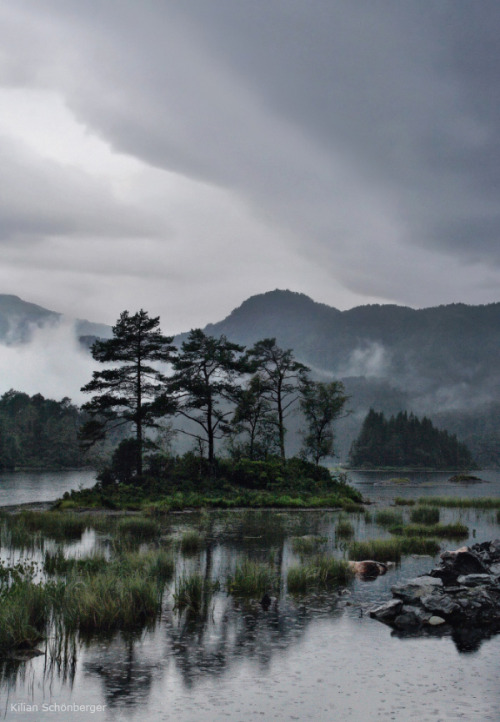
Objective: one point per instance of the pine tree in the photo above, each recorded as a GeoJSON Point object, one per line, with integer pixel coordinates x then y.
{"type": "Point", "coordinates": [282, 375]}
{"type": "Point", "coordinates": [205, 373]}
{"type": "Point", "coordinates": [131, 391]}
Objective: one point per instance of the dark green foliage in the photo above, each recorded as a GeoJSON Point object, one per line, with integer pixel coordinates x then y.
{"type": "Point", "coordinates": [406, 441]}
{"type": "Point", "coordinates": [39, 433]}
{"type": "Point", "coordinates": [281, 375]}
{"type": "Point", "coordinates": [205, 375]}
{"type": "Point", "coordinates": [131, 392]}
{"type": "Point", "coordinates": [254, 419]}
{"type": "Point", "coordinates": [321, 404]}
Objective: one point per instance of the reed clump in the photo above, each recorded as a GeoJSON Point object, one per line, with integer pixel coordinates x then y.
{"type": "Point", "coordinates": [109, 601]}
{"type": "Point", "coordinates": [425, 515]}
{"type": "Point", "coordinates": [443, 531]}
{"type": "Point", "coordinates": [192, 541]}
{"type": "Point", "coordinates": [400, 501]}
{"type": "Point", "coordinates": [193, 593]}
{"type": "Point", "coordinates": [307, 544]}
{"type": "Point", "coordinates": [321, 571]}
{"type": "Point", "coordinates": [388, 517]}
{"type": "Point", "coordinates": [138, 527]}
{"type": "Point", "coordinates": [56, 563]}
{"type": "Point", "coordinates": [344, 529]}
{"type": "Point", "coordinates": [455, 502]}
{"type": "Point", "coordinates": [251, 578]}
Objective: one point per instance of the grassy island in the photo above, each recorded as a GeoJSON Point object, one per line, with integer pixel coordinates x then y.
{"type": "Point", "coordinates": [178, 483]}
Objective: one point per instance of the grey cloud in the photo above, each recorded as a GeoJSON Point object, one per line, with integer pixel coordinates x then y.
{"type": "Point", "coordinates": [365, 133]}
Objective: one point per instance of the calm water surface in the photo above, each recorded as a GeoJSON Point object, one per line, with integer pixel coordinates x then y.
{"type": "Point", "coordinates": [318, 657]}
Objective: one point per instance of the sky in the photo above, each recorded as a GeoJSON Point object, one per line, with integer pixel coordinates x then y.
{"type": "Point", "coordinates": [183, 156]}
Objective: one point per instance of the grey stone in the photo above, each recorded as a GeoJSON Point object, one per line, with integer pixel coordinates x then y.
{"type": "Point", "coordinates": [440, 604]}
{"type": "Point", "coordinates": [475, 580]}
{"type": "Point", "coordinates": [435, 621]}
{"type": "Point", "coordinates": [408, 620]}
{"type": "Point", "coordinates": [388, 611]}
{"type": "Point", "coordinates": [412, 591]}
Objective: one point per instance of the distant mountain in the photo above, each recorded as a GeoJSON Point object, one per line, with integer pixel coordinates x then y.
{"type": "Point", "coordinates": [443, 362]}
{"type": "Point", "coordinates": [19, 319]}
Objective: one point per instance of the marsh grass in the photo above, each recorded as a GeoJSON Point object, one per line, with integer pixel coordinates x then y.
{"type": "Point", "coordinates": [385, 550]}
{"type": "Point", "coordinates": [55, 563]}
{"type": "Point", "coordinates": [307, 544]}
{"type": "Point", "coordinates": [400, 501]}
{"type": "Point", "coordinates": [191, 541]}
{"type": "Point", "coordinates": [321, 571]}
{"type": "Point", "coordinates": [454, 502]}
{"type": "Point", "coordinates": [388, 517]}
{"type": "Point", "coordinates": [55, 524]}
{"type": "Point", "coordinates": [344, 529]}
{"type": "Point", "coordinates": [352, 508]}
{"type": "Point", "coordinates": [444, 531]}
{"type": "Point", "coordinates": [110, 600]}
{"type": "Point", "coordinates": [425, 515]}
{"type": "Point", "coordinates": [193, 593]}
{"type": "Point", "coordinates": [138, 528]}
{"type": "Point", "coordinates": [252, 578]}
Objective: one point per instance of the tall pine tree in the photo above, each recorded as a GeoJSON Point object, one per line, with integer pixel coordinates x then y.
{"type": "Point", "coordinates": [131, 390]}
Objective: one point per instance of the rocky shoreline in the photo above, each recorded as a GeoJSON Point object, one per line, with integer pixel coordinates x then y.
{"type": "Point", "coordinates": [463, 591]}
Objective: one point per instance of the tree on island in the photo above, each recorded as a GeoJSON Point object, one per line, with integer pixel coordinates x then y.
{"type": "Point", "coordinates": [281, 375]}
{"type": "Point", "coordinates": [255, 418]}
{"type": "Point", "coordinates": [321, 404]}
{"type": "Point", "coordinates": [204, 380]}
{"type": "Point", "coordinates": [131, 391]}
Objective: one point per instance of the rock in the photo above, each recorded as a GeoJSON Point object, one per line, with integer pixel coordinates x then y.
{"type": "Point", "coordinates": [368, 569]}
{"type": "Point", "coordinates": [408, 620]}
{"type": "Point", "coordinates": [412, 591]}
{"type": "Point", "coordinates": [464, 591]}
{"type": "Point", "coordinates": [387, 612]}
{"type": "Point", "coordinates": [440, 604]}
{"type": "Point", "coordinates": [475, 580]}
{"type": "Point", "coordinates": [435, 621]}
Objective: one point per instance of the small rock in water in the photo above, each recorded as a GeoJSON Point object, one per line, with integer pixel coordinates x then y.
{"type": "Point", "coordinates": [435, 621]}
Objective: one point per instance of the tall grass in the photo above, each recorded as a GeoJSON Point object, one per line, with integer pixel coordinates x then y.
{"type": "Point", "coordinates": [55, 562]}
{"type": "Point", "coordinates": [425, 515]}
{"type": "Point", "coordinates": [192, 541]}
{"type": "Point", "coordinates": [344, 529]}
{"type": "Point", "coordinates": [138, 527]}
{"type": "Point", "coordinates": [444, 531]}
{"type": "Point", "coordinates": [252, 578]}
{"type": "Point", "coordinates": [483, 502]}
{"type": "Point", "coordinates": [307, 544]}
{"type": "Point", "coordinates": [193, 593]}
{"type": "Point", "coordinates": [385, 550]}
{"type": "Point", "coordinates": [388, 517]}
{"type": "Point", "coordinates": [401, 501]}
{"type": "Point", "coordinates": [321, 571]}
{"type": "Point", "coordinates": [110, 600]}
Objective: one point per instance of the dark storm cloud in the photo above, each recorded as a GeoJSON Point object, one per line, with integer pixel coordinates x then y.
{"type": "Point", "coordinates": [364, 136]}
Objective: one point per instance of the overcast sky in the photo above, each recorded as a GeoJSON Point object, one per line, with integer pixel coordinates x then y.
{"type": "Point", "coordinates": [182, 156]}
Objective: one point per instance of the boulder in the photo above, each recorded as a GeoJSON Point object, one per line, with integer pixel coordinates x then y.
{"type": "Point", "coordinates": [387, 612]}
{"type": "Point", "coordinates": [436, 621]}
{"type": "Point", "coordinates": [412, 591]}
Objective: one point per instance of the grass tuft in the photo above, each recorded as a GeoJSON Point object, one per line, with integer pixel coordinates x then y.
{"type": "Point", "coordinates": [425, 515]}
{"type": "Point", "coordinates": [252, 579]}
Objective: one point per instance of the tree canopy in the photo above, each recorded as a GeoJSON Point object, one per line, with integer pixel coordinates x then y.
{"type": "Point", "coordinates": [131, 390]}
{"type": "Point", "coordinates": [204, 382]}
{"type": "Point", "coordinates": [407, 441]}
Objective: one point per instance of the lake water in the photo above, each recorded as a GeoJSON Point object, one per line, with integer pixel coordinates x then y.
{"type": "Point", "coordinates": [318, 657]}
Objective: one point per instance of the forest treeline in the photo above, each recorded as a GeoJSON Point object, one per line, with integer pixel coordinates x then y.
{"type": "Point", "coordinates": [36, 432]}
{"type": "Point", "coordinates": [404, 440]}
